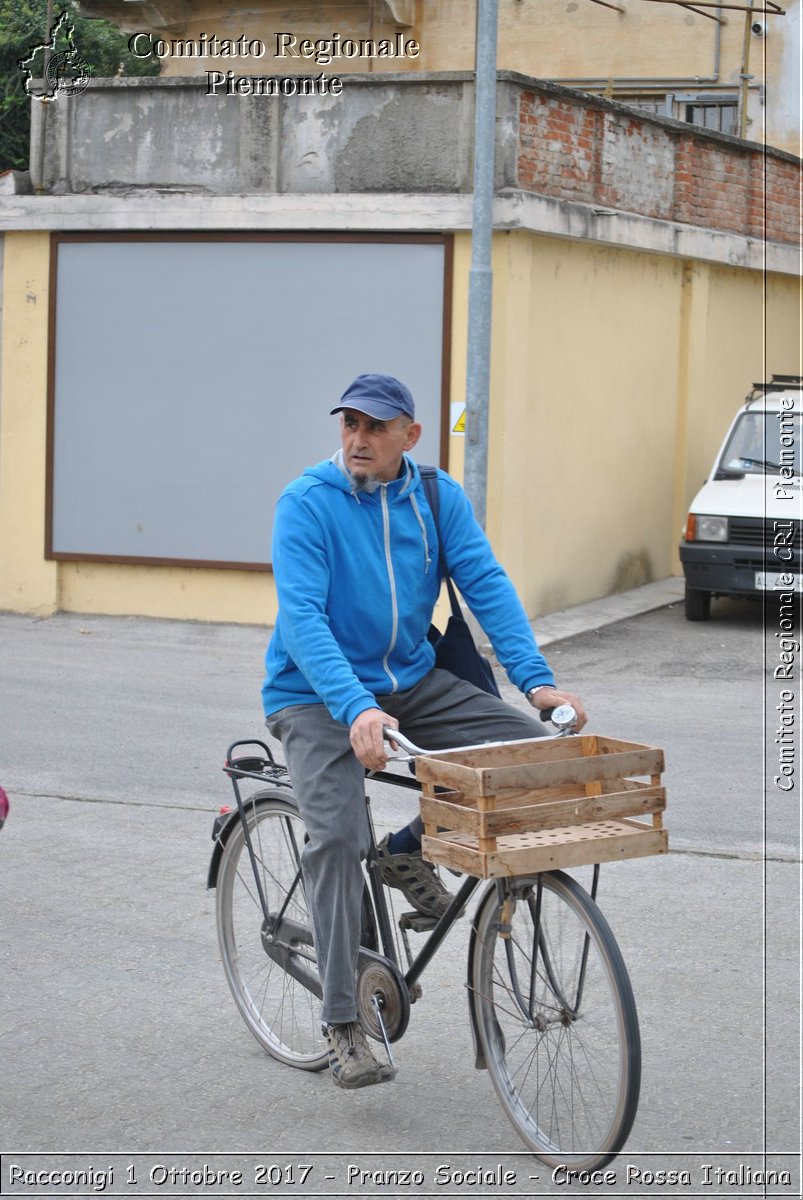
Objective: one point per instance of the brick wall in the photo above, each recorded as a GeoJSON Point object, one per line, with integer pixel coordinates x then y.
{"type": "Point", "coordinates": [590, 151]}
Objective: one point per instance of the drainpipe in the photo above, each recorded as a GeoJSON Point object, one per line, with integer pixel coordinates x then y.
{"type": "Point", "coordinates": [718, 43]}
{"type": "Point", "coordinates": [480, 280]}
{"type": "Point", "coordinates": [745, 77]}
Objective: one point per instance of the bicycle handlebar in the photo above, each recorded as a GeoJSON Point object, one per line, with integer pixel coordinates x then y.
{"type": "Point", "coordinates": [563, 718]}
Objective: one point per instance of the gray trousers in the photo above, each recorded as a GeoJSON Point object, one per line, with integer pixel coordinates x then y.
{"type": "Point", "coordinates": [329, 787]}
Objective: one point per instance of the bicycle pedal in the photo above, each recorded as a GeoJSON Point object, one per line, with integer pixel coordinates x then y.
{"type": "Point", "coordinates": [418, 922]}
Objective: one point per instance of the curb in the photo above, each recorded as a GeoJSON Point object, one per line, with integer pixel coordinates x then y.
{"type": "Point", "coordinates": [597, 614]}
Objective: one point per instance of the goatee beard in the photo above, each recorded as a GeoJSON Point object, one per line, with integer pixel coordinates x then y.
{"type": "Point", "coordinates": [364, 483]}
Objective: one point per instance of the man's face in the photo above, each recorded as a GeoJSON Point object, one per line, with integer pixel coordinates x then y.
{"type": "Point", "coordinates": [372, 448]}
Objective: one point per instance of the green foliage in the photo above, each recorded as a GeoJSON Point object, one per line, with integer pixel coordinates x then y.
{"type": "Point", "coordinates": [101, 45]}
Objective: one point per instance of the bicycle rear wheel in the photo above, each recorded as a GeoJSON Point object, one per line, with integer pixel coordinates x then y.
{"type": "Point", "coordinates": [270, 963]}
{"type": "Point", "coordinates": [556, 1019]}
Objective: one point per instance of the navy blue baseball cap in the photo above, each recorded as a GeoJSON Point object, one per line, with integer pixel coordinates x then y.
{"type": "Point", "coordinates": [379, 396]}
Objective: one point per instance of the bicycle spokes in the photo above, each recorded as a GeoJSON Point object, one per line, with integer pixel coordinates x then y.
{"type": "Point", "coordinates": [555, 1018]}
{"type": "Point", "coordinates": [530, 957]}
{"type": "Point", "coordinates": [265, 933]}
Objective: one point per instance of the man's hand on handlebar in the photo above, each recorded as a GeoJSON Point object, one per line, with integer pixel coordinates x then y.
{"type": "Point", "coordinates": [549, 697]}
{"type": "Point", "coordinates": [367, 733]}
{"type": "Point", "coordinates": [367, 737]}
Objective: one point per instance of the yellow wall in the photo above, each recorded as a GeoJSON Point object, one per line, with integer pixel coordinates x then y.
{"type": "Point", "coordinates": [184, 593]}
{"type": "Point", "coordinates": [27, 582]}
{"type": "Point", "coordinates": [582, 428]}
{"type": "Point", "coordinates": [264, 21]}
{"type": "Point", "coordinates": [614, 376]}
{"type": "Point", "coordinates": [553, 39]}
{"type": "Point", "coordinates": [733, 333]}
{"type": "Point", "coordinates": [550, 39]}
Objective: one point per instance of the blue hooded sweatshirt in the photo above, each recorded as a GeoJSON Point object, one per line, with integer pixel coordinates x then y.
{"type": "Point", "coordinates": [357, 579]}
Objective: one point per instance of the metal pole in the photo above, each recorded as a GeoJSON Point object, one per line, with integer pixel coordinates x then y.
{"type": "Point", "coordinates": [42, 106]}
{"type": "Point", "coordinates": [47, 51]}
{"type": "Point", "coordinates": [478, 366]}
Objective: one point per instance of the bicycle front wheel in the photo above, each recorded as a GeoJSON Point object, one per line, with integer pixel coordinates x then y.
{"type": "Point", "coordinates": [270, 961]}
{"type": "Point", "coordinates": [556, 1019]}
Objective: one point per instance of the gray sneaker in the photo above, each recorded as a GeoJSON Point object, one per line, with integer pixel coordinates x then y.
{"type": "Point", "coordinates": [351, 1060]}
{"type": "Point", "coordinates": [416, 879]}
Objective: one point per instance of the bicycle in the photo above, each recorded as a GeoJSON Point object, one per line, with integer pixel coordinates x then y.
{"type": "Point", "coordinates": [550, 1003]}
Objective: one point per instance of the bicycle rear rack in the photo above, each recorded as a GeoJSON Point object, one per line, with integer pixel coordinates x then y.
{"type": "Point", "coordinates": [251, 766]}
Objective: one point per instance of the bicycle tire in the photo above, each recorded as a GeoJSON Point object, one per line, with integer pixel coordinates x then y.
{"type": "Point", "coordinates": [278, 997]}
{"type": "Point", "coordinates": [565, 1063]}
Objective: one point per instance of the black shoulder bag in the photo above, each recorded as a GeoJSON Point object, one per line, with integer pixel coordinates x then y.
{"type": "Point", "coordinates": [455, 650]}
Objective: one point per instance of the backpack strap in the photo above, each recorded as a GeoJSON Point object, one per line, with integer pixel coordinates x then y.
{"type": "Point", "coordinates": [429, 478]}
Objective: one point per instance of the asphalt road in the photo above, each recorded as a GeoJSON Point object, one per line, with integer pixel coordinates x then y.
{"type": "Point", "coordinates": [120, 1046]}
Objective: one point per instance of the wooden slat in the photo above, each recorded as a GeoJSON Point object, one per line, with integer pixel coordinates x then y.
{"type": "Point", "coordinates": [456, 765]}
{"type": "Point", "coordinates": [453, 810]}
{"type": "Point", "coordinates": [513, 797]}
{"type": "Point", "coordinates": [533, 750]}
{"type": "Point", "coordinates": [609, 745]}
{"type": "Point", "coordinates": [450, 817]}
{"type": "Point", "coordinates": [543, 814]}
{"type": "Point", "coordinates": [575, 770]}
{"type": "Point", "coordinates": [528, 853]}
{"type": "Point", "coordinates": [510, 753]}
{"type": "Point", "coordinates": [529, 765]}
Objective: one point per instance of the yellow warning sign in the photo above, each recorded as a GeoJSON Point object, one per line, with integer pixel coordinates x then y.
{"type": "Point", "coordinates": [460, 424]}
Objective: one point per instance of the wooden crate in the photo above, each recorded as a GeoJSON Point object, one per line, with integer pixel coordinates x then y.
{"type": "Point", "coordinates": [542, 804]}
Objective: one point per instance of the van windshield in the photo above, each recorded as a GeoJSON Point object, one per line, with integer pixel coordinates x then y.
{"type": "Point", "coordinates": [764, 442]}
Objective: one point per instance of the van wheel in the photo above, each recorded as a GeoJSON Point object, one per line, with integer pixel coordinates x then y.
{"type": "Point", "coordinates": [697, 604]}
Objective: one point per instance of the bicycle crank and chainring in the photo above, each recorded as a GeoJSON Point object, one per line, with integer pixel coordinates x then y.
{"type": "Point", "coordinates": [379, 977]}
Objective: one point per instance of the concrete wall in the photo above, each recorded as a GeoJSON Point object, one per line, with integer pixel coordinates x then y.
{"type": "Point", "coordinates": [380, 135]}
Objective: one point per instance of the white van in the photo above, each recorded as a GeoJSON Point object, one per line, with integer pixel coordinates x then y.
{"type": "Point", "coordinates": [743, 531]}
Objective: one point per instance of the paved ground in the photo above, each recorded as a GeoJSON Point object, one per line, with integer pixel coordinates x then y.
{"type": "Point", "coordinates": [118, 1035]}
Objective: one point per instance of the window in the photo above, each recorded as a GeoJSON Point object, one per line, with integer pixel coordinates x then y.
{"type": "Point", "coordinates": [717, 111]}
{"type": "Point", "coordinates": [761, 441]}
{"type": "Point", "coordinates": [720, 115]}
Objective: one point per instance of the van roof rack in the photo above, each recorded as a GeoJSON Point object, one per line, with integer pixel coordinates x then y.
{"type": "Point", "coordinates": [778, 383]}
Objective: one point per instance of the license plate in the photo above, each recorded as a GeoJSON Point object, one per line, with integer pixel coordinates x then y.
{"type": "Point", "coordinates": [772, 582]}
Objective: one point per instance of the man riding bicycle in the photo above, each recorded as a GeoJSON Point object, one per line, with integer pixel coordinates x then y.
{"type": "Point", "coordinates": [356, 562]}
